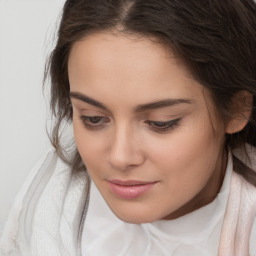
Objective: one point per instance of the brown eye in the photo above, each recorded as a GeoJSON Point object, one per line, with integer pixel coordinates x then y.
{"type": "Point", "coordinates": [94, 119]}
{"type": "Point", "coordinates": [94, 122]}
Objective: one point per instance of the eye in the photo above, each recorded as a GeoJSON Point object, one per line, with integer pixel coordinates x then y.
{"type": "Point", "coordinates": [159, 126]}
{"type": "Point", "coordinates": [94, 122]}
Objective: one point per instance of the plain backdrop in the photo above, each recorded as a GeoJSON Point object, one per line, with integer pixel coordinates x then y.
{"type": "Point", "coordinates": [27, 30]}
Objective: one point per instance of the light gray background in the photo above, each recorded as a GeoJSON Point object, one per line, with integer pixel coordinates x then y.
{"type": "Point", "coordinates": [26, 38]}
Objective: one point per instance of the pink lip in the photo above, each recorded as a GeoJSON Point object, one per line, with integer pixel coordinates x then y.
{"type": "Point", "coordinates": [130, 189]}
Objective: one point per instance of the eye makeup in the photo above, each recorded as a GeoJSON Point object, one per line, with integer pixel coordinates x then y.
{"type": "Point", "coordinates": [99, 122]}
{"type": "Point", "coordinates": [94, 122]}
{"type": "Point", "coordinates": [162, 127]}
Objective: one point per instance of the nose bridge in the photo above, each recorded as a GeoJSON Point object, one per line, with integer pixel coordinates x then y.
{"type": "Point", "coordinates": [125, 148]}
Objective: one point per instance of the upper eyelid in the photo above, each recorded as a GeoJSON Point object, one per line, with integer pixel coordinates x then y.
{"type": "Point", "coordinates": [80, 107]}
{"type": "Point", "coordinates": [88, 111]}
{"type": "Point", "coordinates": [167, 125]}
{"type": "Point", "coordinates": [165, 122]}
{"type": "Point", "coordinates": [84, 119]}
{"type": "Point", "coordinates": [170, 125]}
{"type": "Point", "coordinates": [93, 116]}
{"type": "Point", "coordinates": [146, 121]}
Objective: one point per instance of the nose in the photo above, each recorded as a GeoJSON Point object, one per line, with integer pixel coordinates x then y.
{"type": "Point", "coordinates": [125, 149]}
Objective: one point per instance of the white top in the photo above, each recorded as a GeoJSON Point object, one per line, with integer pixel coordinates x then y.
{"type": "Point", "coordinates": [197, 233]}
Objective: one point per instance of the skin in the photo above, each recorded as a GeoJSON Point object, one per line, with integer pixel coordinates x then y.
{"type": "Point", "coordinates": [187, 161]}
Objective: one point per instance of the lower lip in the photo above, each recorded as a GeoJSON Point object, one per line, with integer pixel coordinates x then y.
{"type": "Point", "coordinates": [130, 192]}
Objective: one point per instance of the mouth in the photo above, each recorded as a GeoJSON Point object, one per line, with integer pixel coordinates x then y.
{"type": "Point", "coordinates": [130, 189]}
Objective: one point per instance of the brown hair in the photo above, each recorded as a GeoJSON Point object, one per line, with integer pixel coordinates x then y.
{"type": "Point", "coordinates": [215, 39]}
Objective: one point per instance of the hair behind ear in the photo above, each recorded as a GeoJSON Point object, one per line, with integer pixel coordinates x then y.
{"type": "Point", "coordinates": [240, 129]}
{"type": "Point", "coordinates": [244, 170]}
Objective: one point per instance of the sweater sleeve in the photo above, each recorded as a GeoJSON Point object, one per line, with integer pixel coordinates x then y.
{"type": "Point", "coordinates": [253, 240]}
{"type": "Point", "coordinates": [8, 237]}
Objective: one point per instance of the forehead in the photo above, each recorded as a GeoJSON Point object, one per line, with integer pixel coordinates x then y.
{"type": "Point", "coordinates": [108, 64]}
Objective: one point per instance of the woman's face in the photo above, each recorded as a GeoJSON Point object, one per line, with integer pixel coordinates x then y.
{"type": "Point", "coordinates": [146, 131]}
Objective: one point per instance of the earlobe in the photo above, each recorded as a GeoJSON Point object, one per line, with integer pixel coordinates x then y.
{"type": "Point", "coordinates": [242, 104]}
{"type": "Point", "coordinates": [236, 125]}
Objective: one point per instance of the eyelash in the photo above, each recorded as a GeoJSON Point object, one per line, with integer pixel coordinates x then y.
{"type": "Point", "coordinates": [163, 126]}
{"type": "Point", "coordinates": [93, 125]}
{"type": "Point", "coordinates": [156, 126]}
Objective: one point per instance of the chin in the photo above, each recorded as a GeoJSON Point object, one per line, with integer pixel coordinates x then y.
{"type": "Point", "coordinates": [136, 218]}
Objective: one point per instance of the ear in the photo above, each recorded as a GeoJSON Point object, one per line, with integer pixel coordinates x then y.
{"type": "Point", "coordinates": [241, 107]}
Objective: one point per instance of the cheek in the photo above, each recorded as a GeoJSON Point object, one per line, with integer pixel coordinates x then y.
{"type": "Point", "coordinates": [84, 143]}
{"type": "Point", "coordinates": [186, 156]}
{"type": "Point", "coordinates": [89, 144]}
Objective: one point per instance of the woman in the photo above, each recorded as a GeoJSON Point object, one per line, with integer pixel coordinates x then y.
{"type": "Point", "coordinates": [161, 95]}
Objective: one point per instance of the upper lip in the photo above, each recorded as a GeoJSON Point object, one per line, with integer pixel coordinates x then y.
{"type": "Point", "coordinates": [130, 182]}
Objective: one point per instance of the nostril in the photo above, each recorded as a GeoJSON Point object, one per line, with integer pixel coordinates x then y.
{"type": "Point", "coordinates": [124, 150]}
{"type": "Point", "coordinates": [124, 158]}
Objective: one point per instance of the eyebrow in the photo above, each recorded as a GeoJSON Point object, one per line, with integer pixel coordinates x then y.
{"type": "Point", "coordinates": [84, 98]}
{"type": "Point", "coordinates": [162, 104]}
{"type": "Point", "coordinates": [139, 108]}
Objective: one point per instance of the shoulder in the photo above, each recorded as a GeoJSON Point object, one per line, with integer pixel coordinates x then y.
{"type": "Point", "coordinates": [248, 198]}
{"type": "Point", "coordinates": [253, 239]}
{"type": "Point", "coordinates": [239, 229]}
{"type": "Point", "coordinates": [49, 172]}
{"type": "Point", "coordinates": [7, 242]}
{"type": "Point", "coordinates": [248, 194]}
